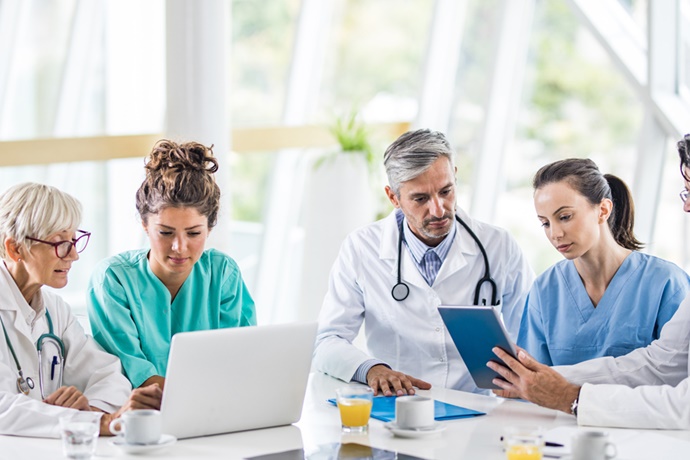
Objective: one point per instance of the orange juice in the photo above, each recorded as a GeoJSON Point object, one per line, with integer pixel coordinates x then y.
{"type": "Point", "coordinates": [354, 411]}
{"type": "Point", "coordinates": [523, 452]}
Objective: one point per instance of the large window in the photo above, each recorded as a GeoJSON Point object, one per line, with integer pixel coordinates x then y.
{"type": "Point", "coordinates": [575, 104]}
{"type": "Point", "coordinates": [263, 36]}
{"type": "Point", "coordinates": [98, 68]}
{"type": "Point", "coordinates": [684, 67]}
{"type": "Point", "coordinates": [376, 53]}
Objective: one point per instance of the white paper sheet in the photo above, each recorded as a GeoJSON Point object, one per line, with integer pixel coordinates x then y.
{"type": "Point", "coordinates": [631, 444]}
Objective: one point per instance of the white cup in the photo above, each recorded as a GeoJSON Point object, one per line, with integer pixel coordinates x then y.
{"type": "Point", "coordinates": [138, 426]}
{"type": "Point", "coordinates": [414, 412]}
{"type": "Point", "coordinates": [593, 445]}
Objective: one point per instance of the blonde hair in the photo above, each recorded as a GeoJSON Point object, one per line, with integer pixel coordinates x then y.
{"type": "Point", "coordinates": [180, 175]}
{"type": "Point", "coordinates": [37, 211]}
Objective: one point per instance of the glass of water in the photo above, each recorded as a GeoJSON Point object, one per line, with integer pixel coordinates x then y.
{"type": "Point", "coordinates": [79, 434]}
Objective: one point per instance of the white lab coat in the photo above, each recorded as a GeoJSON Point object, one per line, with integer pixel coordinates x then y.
{"type": "Point", "coordinates": [94, 372]}
{"type": "Point", "coordinates": [647, 388]}
{"type": "Point", "coordinates": [410, 335]}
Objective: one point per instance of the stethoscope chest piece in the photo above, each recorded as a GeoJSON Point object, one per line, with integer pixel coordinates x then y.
{"type": "Point", "coordinates": [400, 291]}
{"type": "Point", "coordinates": [24, 385]}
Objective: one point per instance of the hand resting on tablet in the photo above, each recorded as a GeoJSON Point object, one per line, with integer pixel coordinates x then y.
{"type": "Point", "coordinates": [528, 379]}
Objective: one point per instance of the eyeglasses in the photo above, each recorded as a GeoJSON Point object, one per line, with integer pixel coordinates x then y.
{"type": "Point", "coordinates": [63, 248]}
{"type": "Point", "coordinates": [684, 194]}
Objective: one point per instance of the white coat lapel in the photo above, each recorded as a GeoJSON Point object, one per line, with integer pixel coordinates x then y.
{"type": "Point", "coordinates": [463, 246]}
{"type": "Point", "coordinates": [410, 272]}
{"type": "Point", "coordinates": [388, 249]}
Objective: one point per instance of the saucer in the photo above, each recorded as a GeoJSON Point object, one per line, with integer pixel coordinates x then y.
{"type": "Point", "coordinates": [164, 441]}
{"type": "Point", "coordinates": [415, 432]}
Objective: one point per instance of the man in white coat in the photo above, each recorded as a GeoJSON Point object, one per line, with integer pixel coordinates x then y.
{"type": "Point", "coordinates": [392, 275]}
{"type": "Point", "coordinates": [647, 388]}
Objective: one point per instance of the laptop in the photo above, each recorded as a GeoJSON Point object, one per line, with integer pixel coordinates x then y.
{"type": "Point", "coordinates": [236, 379]}
{"type": "Point", "coordinates": [475, 330]}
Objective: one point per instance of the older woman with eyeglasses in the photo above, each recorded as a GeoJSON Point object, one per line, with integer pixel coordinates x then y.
{"type": "Point", "coordinates": [49, 367]}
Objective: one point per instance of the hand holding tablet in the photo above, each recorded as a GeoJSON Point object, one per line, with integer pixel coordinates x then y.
{"type": "Point", "coordinates": [475, 330]}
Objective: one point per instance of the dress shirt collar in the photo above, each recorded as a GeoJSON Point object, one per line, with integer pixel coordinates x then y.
{"type": "Point", "coordinates": [417, 247]}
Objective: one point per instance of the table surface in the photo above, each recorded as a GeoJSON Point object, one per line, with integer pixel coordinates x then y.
{"type": "Point", "coordinates": [471, 438]}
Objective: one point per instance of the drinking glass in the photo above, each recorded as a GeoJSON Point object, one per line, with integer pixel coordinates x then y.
{"type": "Point", "coordinates": [523, 443]}
{"type": "Point", "coordinates": [354, 403]}
{"type": "Point", "coordinates": [79, 435]}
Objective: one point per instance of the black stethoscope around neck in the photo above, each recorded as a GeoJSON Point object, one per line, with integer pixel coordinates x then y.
{"type": "Point", "coordinates": [401, 290]}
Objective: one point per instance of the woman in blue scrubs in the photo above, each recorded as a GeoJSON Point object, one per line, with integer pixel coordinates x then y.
{"type": "Point", "coordinates": [606, 298]}
{"type": "Point", "coordinates": [139, 299]}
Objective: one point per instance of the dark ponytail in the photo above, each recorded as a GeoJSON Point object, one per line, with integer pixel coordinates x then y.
{"type": "Point", "coordinates": [622, 219]}
{"type": "Point", "coordinates": [583, 175]}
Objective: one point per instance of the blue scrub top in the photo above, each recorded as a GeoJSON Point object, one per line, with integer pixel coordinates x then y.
{"type": "Point", "coordinates": [132, 317]}
{"type": "Point", "coordinates": [561, 326]}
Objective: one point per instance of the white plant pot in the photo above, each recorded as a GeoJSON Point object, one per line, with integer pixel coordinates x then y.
{"type": "Point", "coordinates": [338, 199]}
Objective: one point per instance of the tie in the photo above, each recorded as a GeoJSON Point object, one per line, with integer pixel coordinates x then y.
{"type": "Point", "coordinates": [431, 264]}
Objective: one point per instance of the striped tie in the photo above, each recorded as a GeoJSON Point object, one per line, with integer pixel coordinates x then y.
{"type": "Point", "coordinates": [431, 264]}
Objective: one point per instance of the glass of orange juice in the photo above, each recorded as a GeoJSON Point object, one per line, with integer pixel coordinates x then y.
{"type": "Point", "coordinates": [524, 444]}
{"type": "Point", "coordinates": [354, 404]}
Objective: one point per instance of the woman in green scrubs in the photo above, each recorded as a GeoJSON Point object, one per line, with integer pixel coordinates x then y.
{"type": "Point", "coordinates": [138, 300]}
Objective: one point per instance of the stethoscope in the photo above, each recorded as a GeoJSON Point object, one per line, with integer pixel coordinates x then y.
{"type": "Point", "coordinates": [26, 384]}
{"type": "Point", "coordinates": [401, 290]}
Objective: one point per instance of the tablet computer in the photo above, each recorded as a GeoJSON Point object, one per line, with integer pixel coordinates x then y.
{"type": "Point", "coordinates": [475, 330]}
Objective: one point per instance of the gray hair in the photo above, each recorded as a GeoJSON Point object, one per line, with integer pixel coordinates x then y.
{"type": "Point", "coordinates": [37, 211]}
{"type": "Point", "coordinates": [412, 154]}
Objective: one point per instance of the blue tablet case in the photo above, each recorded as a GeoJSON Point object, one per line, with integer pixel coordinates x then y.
{"type": "Point", "coordinates": [475, 330]}
{"type": "Point", "coordinates": [384, 410]}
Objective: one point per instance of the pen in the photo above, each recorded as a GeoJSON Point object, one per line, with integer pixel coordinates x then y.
{"type": "Point", "coordinates": [547, 443]}
{"type": "Point", "coordinates": [52, 368]}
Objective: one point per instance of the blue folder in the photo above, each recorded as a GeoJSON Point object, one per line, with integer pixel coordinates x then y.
{"type": "Point", "coordinates": [384, 409]}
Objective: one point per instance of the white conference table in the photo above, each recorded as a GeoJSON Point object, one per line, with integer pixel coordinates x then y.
{"type": "Point", "coordinates": [471, 438]}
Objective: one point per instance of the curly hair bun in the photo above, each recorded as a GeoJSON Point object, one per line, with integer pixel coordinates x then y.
{"type": "Point", "coordinates": [170, 156]}
{"type": "Point", "coordinates": [180, 175]}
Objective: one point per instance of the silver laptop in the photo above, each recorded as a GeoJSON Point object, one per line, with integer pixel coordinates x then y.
{"type": "Point", "coordinates": [236, 379]}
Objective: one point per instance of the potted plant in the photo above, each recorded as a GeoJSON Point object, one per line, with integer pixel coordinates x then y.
{"type": "Point", "coordinates": [338, 199]}
{"type": "Point", "coordinates": [352, 136]}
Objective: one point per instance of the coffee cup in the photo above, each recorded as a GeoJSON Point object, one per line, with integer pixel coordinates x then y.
{"type": "Point", "coordinates": [593, 445]}
{"type": "Point", "coordinates": [141, 426]}
{"type": "Point", "coordinates": [414, 412]}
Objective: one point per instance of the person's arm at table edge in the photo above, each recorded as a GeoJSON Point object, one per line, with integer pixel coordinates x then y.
{"type": "Point", "coordinates": [141, 398]}
{"type": "Point", "coordinates": [530, 380]}
{"type": "Point", "coordinates": [154, 379]}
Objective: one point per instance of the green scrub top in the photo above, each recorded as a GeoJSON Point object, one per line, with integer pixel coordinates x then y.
{"type": "Point", "coordinates": [132, 317]}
